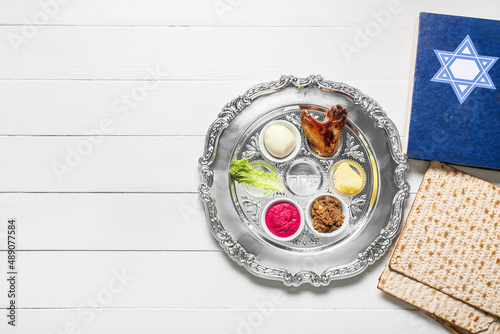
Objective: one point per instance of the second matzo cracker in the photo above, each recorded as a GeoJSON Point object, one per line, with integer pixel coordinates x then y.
{"type": "Point", "coordinates": [455, 315]}
{"type": "Point", "coordinates": [450, 311]}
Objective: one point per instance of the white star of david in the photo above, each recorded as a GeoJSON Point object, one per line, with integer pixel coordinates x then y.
{"type": "Point", "coordinates": [464, 69]}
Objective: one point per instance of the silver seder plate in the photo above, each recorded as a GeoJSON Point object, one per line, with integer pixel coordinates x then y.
{"type": "Point", "coordinates": [369, 141]}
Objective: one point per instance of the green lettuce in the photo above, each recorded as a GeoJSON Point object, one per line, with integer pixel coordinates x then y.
{"type": "Point", "coordinates": [243, 172]}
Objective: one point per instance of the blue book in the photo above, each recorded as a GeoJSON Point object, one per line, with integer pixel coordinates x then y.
{"type": "Point", "coordinates": [455, 105]}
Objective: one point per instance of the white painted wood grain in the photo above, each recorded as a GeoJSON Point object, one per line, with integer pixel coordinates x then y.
{"type": "Point", "coordinates": [121, 164]}
{"type": "Point", "coordinates": [118, 164]}
{"type": "Point", "coordinates": [109, 222]}
{"type": "Point", "coordinates": [240, 53]}
{"type": "Point", "coordinates": [181, 284]}
{"type": "Point", "coordinates": [236, 13]}
{"type": "Point", "coordinates": [194, 279]}
{"type": "Point", "coordinates": [68, 107]}
{"type": "Point", "coordinates": [217, 321]}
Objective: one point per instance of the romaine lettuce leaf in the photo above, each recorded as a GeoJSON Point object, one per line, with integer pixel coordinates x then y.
{"type": "Point", "coordinates": [243, 172]}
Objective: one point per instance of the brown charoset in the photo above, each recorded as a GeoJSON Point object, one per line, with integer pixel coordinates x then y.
{"type": "Point", "coordinates": [327, 214]}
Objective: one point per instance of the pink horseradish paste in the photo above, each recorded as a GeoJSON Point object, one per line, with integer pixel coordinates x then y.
{"type": "Point", "coordinates": [283, 219]}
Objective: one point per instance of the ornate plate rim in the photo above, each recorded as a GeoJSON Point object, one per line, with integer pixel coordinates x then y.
{"type": "Point", "coordinates": [235, 251]}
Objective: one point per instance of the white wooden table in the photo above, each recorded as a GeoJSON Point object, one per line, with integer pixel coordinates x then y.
{"type": "Point", "coordinates": [104, 109]}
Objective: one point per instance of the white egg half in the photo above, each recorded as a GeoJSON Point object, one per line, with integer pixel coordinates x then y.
{"type": "Point", "coordinates": [279, 141]}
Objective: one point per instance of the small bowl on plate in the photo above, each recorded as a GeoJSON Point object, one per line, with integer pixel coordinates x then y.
{"type": "Point", "coordinates": [356, 169]}
{"type": "Point", "coordinates": [296, 134]}
{"type": "Point", "coordinates": [264, 222]}
{"type": "Point", "coordinates": [344, 209]}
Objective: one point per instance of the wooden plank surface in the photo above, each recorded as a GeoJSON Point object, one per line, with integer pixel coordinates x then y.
{"type": "Point", "coordinates": [170, 279]}
{"type": "Point", "coordinates": [109, 222]}
{"type": "Point", "coordinates": [171, 108]}
{"type": "Point", "coordinates": [204, 53]}
{"type": "Point", "coordinates": [86, 221]}
{"type": "Point", "coordinates": [217, 321]}
{"type": "Point", "coordinates": [116, 164]}
{"type": "Point", "coordinates": [323, 13]}
{"type": "Point", "coordinates": [119, 164]}
{"type": "Point", "coordinates": [128, 205]}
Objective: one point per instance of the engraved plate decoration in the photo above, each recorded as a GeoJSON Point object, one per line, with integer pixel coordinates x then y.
{"type": "Point", "coordinates": [369, 144]}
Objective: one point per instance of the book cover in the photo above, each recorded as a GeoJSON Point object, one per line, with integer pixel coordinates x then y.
{"type": "Point", "coordinates": [455, 105]}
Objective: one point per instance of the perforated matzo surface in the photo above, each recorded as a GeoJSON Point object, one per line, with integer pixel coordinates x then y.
{"type": "Point", "coordinates": [451, 238]}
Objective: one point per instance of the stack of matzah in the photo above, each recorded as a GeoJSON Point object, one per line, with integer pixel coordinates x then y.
{"type": "Point", "coordinates": [447, 259]}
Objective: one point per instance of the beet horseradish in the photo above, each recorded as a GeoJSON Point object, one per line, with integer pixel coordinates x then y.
{"type": "Point", "coordinates": [283, 219]}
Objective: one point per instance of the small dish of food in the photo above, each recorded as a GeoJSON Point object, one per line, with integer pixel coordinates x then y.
{"type": "Point", "coordinates": [282, 219]}
{"type": "Point", "coordinates": [244, 172]}
{"type": "Point", "coordinates": [347, 177]}
{"type": "Point", "coordinates": [280, 141]}
{"type": "Point", "coordinates": [324, 138]}
{"type": "Point", "coordinates": [326, 215]}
